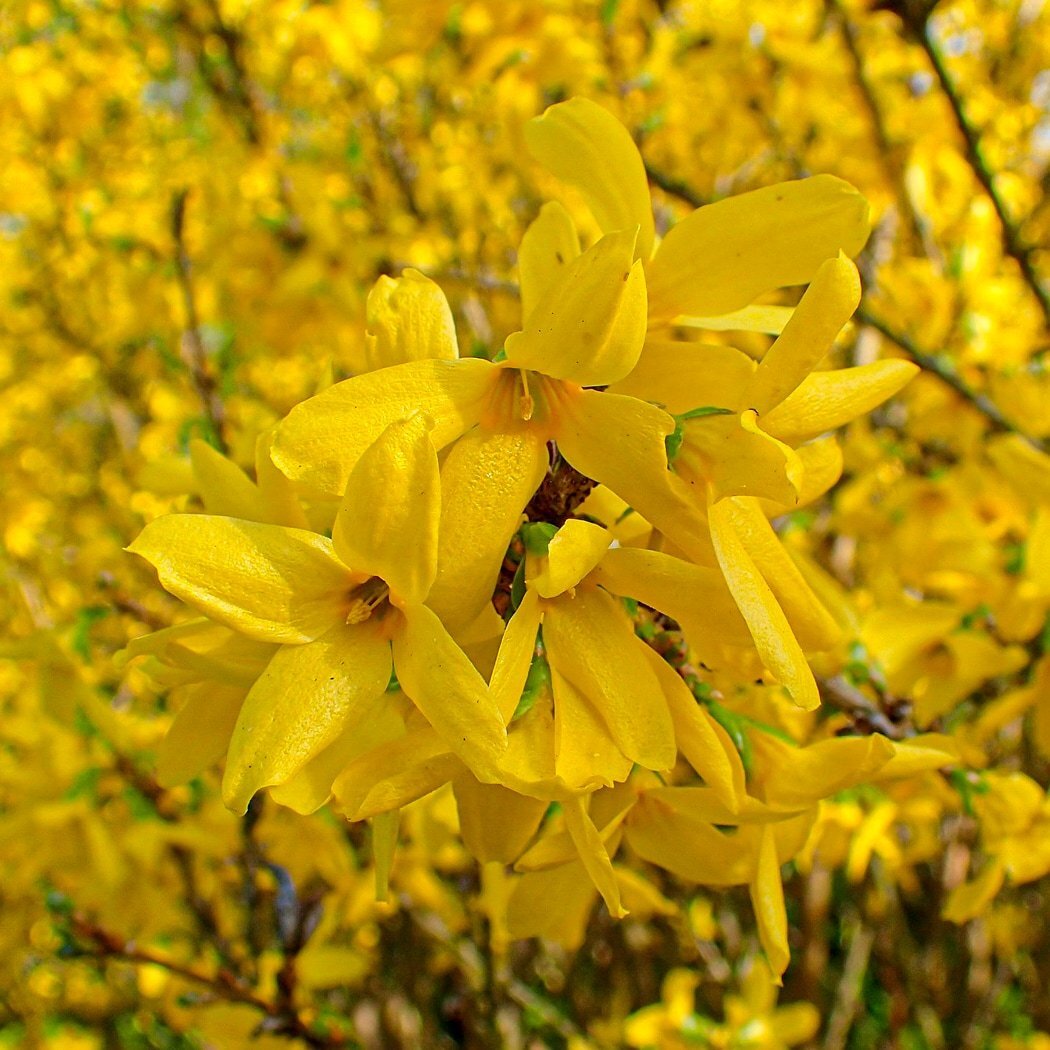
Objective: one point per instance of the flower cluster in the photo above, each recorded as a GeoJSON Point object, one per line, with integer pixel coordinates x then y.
{"type": "Point", "coordinates": [530, 575]}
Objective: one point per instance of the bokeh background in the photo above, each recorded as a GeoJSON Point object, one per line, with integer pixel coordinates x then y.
{"type": "Point", "coordinates": [195, 198]}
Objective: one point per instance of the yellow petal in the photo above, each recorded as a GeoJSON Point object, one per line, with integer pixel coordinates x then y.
{"type": "Point", "coordinates": [586, 146]}
{"type": "Point", "coordinates": [224, 487]}
{"type": "Point", "coordinates": [695, 596]}
{"type": "Point", "coordinates": [971, 899]}
{"type": "Point", "coordinates": [310, 788]}
{"type": "Point", "coordinates": [496, 824]}
{"type": "Point", "coordinates": [767, 898]}
{"type": "Point", "coordinates": [826, 400]}
{"type": "Point", "coordinates": [723, 255]}
{"type": "Point", "coordinates": [827, 305]}
{"type": "Point", "coordinates": [575, 550]}
{"type": "Point", "coordinates": [811, 623]}
{"type": "Point", "coordinates": [619, 441]}
{"type": "Point", "coordinates": [384, 844]}
{"type": "Point", "coordinates": [769, 627]}
{"type": "Point", "coordinates": [394, 774]}
{"type": "Point", "coordinates": [408, 319]}
{"type": "Point", "coordinates": [735, 457]}
{"type": "Point", "coordinates": [280, 501]}
{"type": "Point", "coordinates": [516, 650]}
{"type": "Point", "coordinates": [705, 744]}
{"type": "Point", "coordinates": [553, 904]}
{"type": "Point", "coordinates": [592, 853]}
{"type": "Point", "coordinates": [487, 478]}
{"type": "Point", "coordinates": [322, 438]}
{"type": "Point", "coordinates": [821, 463]}
{"type": "Point", "coordinates": [590, 326]}
{"type": "Point", "coordinates": [548, 246]}
{"type": "Point", "coordinates": [1025, 467]}
{"type": "Point", "coordinates": [682, 376]}
{"type": "Point", "coordinates": [268, 582]}
{"type": "Point", "coordinates": [590, 642]}
{"type": "Point", "coordinates": [770, 320]}
{"type": "Point", "coordinates": [305, 698]}
{"type": "Point", "coordinates": [439, 679]}
{"type": "Point", "coordinates": [387, 523]}
{"type": "Point", "coordinates": [585, 755]}
{"type": "Point", "coordinates": [199, 733]}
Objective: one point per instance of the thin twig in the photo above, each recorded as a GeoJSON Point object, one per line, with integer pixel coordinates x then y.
{"type": "Point", "coordinates": [848, 996]}
{"type": "Point", "coordinates": [193, 344]}
{"type": "Point", "coordinates": [674, 187]}
{"type": "Point", "coordinates": [865, 712]}
{"type": "Point", "coordinates": [1013, 243]}
{"type": "Point", "coordinates": [930, 363]}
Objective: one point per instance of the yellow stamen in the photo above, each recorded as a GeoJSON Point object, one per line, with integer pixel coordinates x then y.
{"type": "Point", "coordinates": [365, 599]}
{"type": "Point", "coordinates": [525, 402]}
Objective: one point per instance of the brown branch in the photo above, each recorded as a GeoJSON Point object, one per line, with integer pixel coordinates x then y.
{"type": "Point", "coordinates": [930, 363]}
{"type": "Point", "coordinates": [1013, 243]}
{"type": "Point", "coordinates": [192, 344]}
{"type": "Point", "coordinates": [674, 187]}
{"type": "Point", "coordinates": [867, 714]}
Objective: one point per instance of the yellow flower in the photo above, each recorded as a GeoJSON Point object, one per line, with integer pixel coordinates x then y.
{"type": "Point", "coordinates": [344, 611]}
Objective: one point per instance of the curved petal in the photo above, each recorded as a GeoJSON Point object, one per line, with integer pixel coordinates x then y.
{"type": "Point", "coordinates": [585, 755]}
{"type": "Point", "coordinates": [305, 698]}
{"type": "Point", "coordinates": [199, 733]}
{"type": "Point", "coordinates": [577, 547]}
{"type": "Point", "coordinates": [590, 325]}
{"type": "Point", "coordinates": [681, 376]}
{"type": "Point", "coordinates": [439, 679]}
{"type": "Point", "coordinates": [554, 904]}
{"type": "Point", "coordinates": [593, 854]}
{"type": "Point", "coordinates": [695, 596]}
{"type": "Point", "coordinates": [548, 246]}
{"type": "Point", "coordinates": [811, 623]}
{"type": "Point", "coordinates": [322, 438]}
{"type": "Point", "coordinates": [387, 523]}
{"type": "Point", "coordinates": [619, 441]}
{"type": "Point", "coordinates": [769, 320]}
{"type": "Point", "coordinates": [723, 255]}
{"type": "Point", "coordinates": [280, 501]}
{"type": "Point", "coordinates": [591, 643]}
{"type": "Point", "coordinates": [266, 581]}
{"type": "Point", "coordinates": [408, 319]}
{"type": "Point", "coordinates": [769, 627]}
{"type": "Point", "coordinates": [767, 898]}
{"type": "Point", "coordinates": [496, 824]}
{"type": "Point", "coordinates": [487, 479]}
{"type": "Point", "coordinates": [225, 489]}
{"type": "Point", "coordinates": [821, 463]}
{"type": "Point", "coordinates": [827, 305]}
{"type": "Point", "coordinates": [826, 400]}
{"type": "Point", "coordinates": [584, 145]}
{"type": "Point", "coordinates": [516, 650]}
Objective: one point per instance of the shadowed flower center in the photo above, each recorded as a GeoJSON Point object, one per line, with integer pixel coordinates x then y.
{"type": "Point", "coordinates": [366, 598]}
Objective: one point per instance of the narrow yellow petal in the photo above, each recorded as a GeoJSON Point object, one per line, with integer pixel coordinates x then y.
{"type": "Point", "coordinates": [586, 146]}
{"type": "Point", "coordinates": [821, 463]}
{"type": "Point", "coordinates": [585, 755]}
{"type": "Point", "coordinates": [487, 478]}
{"type": "Point", "coordinates": [496, 824]}
{"type": "Point", "coordinates": [1025, 467]}
{"type": "Point", "coordinates": [224, 488]}
{"type": "Point", "coordinates": [575, 550]}
{"type": "Point", "coordinates": [767, 898]}
{"type": "Point", "coordinates": [811, 623]}
{"type": "Point", "coordinates": [548, 246]}
{"type": "Point", "coordinates": [724, 255]}
{"type": "Point", "coordinates": [516, 650]}
{"type": "Point", "coordinates": [593, 854]}
{"type": "Point", "coordinates": [268, 582]}
{"type": "Point", "coordinates": [827, 305]}
{"type": "Point", "coordinates": [305, 698]}
{"type": "Point", "coordinates": [384, 845]}
{"type": "Point", "coordinates": [826, 400]}
{"type": "Point", "coordinates": [769, 627]}
{"type": "Point", "coordinates": [408, 319]}
{"type": "Point", "coordinates": [770, 320]}
{"type": "Point", "coordinates": [619, 441]}
{"type": "Point", "coordinates": [682, 376]}
{"type": "Point", "coordinates": [705, 744]}
{"type": "Point", "coordinates": [696, 596]}
{"type": "Point", "coordinates": [591, 643]}
{"type": "Point", "coordinates": [590, 326]}
{"type": "Point", "coordinates": [200, 732]}
{"type": "Point", "coordinates": [280, 501]}
{"type": "Point", "coordinates": [439, 679]}
{"type": "Point", "coordinates": [387, 523]}
{"type": "Point", "coordinates": [553, 904]}
{"type": "Point", "coordinates": [322, 438]}
{"type": "Point", "coordinates": [971, 899]}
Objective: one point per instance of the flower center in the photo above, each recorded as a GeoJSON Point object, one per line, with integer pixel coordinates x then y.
{"type": "Point", "coordinates": [365, 599]}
